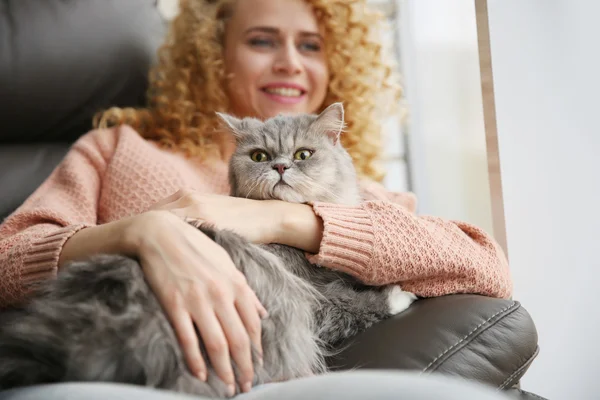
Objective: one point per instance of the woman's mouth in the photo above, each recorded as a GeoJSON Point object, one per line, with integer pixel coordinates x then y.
{"type": "Point", "coordinates": [284, 94]}
{"type": "Point", "coordinates": [287, 92]}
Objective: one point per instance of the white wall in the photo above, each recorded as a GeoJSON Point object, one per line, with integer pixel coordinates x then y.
{"type": "Point", "coordinates": [168, 8]}
{"type": "Point", "coordinates": [440, 65]}
{"type": "Point", "coordinates": [546, 65]}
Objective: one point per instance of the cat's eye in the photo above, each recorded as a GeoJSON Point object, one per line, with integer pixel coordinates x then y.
{"type": "Point", "coordinates": [303, 154]}
{"type": "Point", "coordinates": [259, 156]}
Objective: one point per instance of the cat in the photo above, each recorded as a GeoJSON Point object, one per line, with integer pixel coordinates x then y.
{"type": "Point", "coordinates": [99, 320]}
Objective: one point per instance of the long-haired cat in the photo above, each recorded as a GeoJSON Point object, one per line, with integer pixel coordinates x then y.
{"type": "Point", "coordinates": [99, 320]}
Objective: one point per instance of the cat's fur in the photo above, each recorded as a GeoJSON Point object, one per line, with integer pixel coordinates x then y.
{"type": "Point", "coordinates": [99, 320]}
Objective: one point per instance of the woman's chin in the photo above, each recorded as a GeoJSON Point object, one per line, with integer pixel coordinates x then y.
{"type": "Point", "coordinates": [275, 110]}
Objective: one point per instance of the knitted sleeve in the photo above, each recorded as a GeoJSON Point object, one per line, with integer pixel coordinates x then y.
{"type": "Point", "coordinates": [31, 239]}
{"type": "Point", "coordinates": [382, 241]}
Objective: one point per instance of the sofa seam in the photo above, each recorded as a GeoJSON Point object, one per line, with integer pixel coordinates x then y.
{"type": "Point", "coordinates": [523, 392]}
{"type": "Point", "coordinates": [475, 330]}
{"type": "Point", "coordinates": [518, 370]}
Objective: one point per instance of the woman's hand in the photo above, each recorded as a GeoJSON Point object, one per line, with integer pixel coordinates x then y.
{"type": "Point", "coordinates": [197, 283]}
{"type": "Point", "coordinates": [259, 221]}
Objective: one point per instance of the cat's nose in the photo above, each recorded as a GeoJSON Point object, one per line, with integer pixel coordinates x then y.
{"type": "Point", "coordinates": [280, 168]}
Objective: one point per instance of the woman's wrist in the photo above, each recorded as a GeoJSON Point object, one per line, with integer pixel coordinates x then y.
{"type": "Point", "coordinates": [299, 227]}
{"type": "Point", "coordinates": [118, 237]}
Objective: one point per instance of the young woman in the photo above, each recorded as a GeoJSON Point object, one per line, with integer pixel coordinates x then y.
{"type": "Point", "coordinates": [126, 186]}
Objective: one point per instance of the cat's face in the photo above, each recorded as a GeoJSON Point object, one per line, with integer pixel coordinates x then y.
{"type": "Point", "coordinates": [293, 158]}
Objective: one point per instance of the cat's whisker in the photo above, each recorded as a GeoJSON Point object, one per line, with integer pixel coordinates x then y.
{"type": "Point", "coordinates": [243, 188]}
{"type": "Point", "coordinates": [328, 191]}
{"type": "Point", "coordinates": [307, 183]}
{"type": "Point", "coordinates": [265, 191]}
{"type": "Point", "coordinates": [246, 185]}
{"type": "Point", "coordinates": [256, 183]}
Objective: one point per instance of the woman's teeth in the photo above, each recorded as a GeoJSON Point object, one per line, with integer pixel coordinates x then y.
{"type": "Point", "coordinates": [288, 92]}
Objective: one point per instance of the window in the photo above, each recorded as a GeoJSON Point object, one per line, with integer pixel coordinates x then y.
{"type": "Point", "coordinates": [442, 148]}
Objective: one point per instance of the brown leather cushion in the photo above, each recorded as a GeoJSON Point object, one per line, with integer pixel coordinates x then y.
{"type": "Point", "coordinates": [488, 340]}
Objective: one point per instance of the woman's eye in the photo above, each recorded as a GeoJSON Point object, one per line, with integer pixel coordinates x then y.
{"type": "Point", "coordinates": [303, 155]}
{"type": "Point", "coordinates": [259, 156]}
{"type": "Point", "coordinates": [310, 46]}
{"type": "Point", "coordinates": [261, 42]}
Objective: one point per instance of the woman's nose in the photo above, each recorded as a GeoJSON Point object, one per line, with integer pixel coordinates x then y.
{"type": "Point", "coordinates": [288, 60]}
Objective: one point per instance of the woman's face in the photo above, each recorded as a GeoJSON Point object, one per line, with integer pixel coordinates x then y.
{"type": "Point", "coordinates": [274, 51]}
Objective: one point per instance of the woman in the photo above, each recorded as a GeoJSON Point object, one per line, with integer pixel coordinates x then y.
{"type": "Point", "coordinates": [125, 187]}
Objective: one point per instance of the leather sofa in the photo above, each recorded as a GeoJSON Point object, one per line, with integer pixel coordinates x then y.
{"type": "Point", "coordinates": [63, 60]}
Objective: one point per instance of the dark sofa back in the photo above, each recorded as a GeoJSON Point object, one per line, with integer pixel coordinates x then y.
{"type": "Point", "coordinates": [61, 61]}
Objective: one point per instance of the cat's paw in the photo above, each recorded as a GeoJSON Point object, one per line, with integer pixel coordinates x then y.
{"type": "Point", "coordinates": [398, 300]}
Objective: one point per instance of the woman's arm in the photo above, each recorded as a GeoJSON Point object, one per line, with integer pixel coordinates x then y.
{"type": "Point", "coordinates": [383, 241]}
{"type": "Point", "coordinates": [110, 238]}
{"type": "Point", "coordinates": [58, 224]}
{"type": "Point", "coordinates": [32, 238]}
{"type": "Point", "coordinates": [300, 227]}
{"type": "Point", "coordinates": [379, 241]}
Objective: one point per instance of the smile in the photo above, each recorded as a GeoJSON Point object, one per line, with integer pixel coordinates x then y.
{"type": "Point", "coordinates": [286, 92]}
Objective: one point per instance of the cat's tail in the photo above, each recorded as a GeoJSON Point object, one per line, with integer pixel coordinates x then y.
{"type": "Point", "coordinates": [28, 358]}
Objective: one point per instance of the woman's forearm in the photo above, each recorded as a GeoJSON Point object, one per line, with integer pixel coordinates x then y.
{"type": "Point", "coordinates": [300, 227]}
{"type": "Point", "coordinates": [112, 237]}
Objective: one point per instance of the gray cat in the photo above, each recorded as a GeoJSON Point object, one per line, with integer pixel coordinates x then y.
{"type": "Point", "coordinates": [99, 320]}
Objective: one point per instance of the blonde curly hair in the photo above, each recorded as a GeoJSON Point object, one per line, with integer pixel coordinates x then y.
{"type": "Point", "coordinates": [187, 86]}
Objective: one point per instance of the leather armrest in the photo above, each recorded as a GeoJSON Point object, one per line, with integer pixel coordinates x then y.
{"type": "Point", "coordinates": [480, 338]}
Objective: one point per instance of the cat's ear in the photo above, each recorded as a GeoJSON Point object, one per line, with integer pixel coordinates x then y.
{"type": "Point", "coordinates": [234, 124]}
{"type": "Point", "coordinates": [331, 122]}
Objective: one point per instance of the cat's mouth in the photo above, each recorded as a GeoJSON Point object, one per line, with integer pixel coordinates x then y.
{"type": "Point", "coordinates": [281, 182]}
{"type": "Point", "coordinates": [282, 190]}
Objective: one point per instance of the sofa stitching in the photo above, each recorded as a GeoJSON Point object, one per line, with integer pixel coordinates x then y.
{"type": "Point", "coordinates": [514, 304]}
{"type": "Point", "coordinates": [518, 370]}
{"type": "Point", "coordinates": [530, 394]}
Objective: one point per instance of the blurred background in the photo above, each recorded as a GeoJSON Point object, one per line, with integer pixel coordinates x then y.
{"type": "Point", "coordinates": [440, 153]}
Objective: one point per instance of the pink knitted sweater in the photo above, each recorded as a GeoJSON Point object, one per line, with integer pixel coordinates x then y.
{"type": "Point", "coordinates": [114, 173]}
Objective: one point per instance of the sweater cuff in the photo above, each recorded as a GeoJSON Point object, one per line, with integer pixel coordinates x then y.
{"type": "Point", "coordinates": [41, 261]}
{"type": "Point", "coordinates": [348, 239]}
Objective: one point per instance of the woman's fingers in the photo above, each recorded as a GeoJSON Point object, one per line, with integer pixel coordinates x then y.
{"type": "Point", "coordinates": [188, 340]}
{"type": "Point", "coordinates": [176, 205]}
{"type": "Point", "coordinates": [215, 342]}
{"type": "Point", "coordinates": [262, 311]}
{"type": "Point", "coordinates": [167, 200]}
{"type": "Point", "coordinates": [198, 284]}
{"type": "Point", "coordinates": [251, 319]}
{"type": "Point", "coordinates": [239, 343]}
